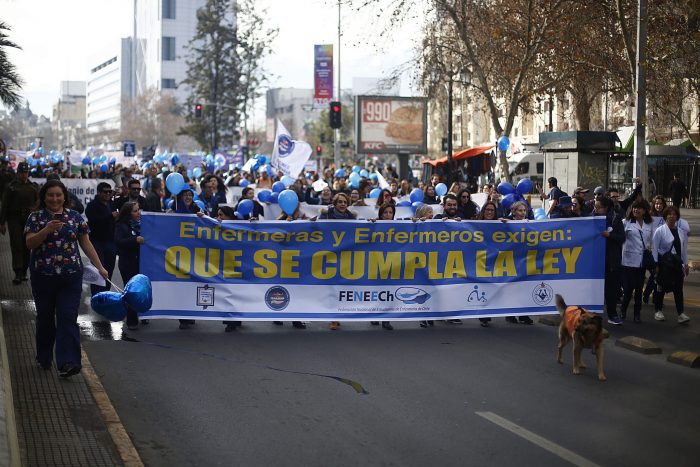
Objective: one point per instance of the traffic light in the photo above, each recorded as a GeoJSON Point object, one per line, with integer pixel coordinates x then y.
{"type": "Point", "coordinates": [335, 120]}
{"type": "Point", "coordinates": [319, 150]}
{"type": "Point", "coordinates": [198, 111]}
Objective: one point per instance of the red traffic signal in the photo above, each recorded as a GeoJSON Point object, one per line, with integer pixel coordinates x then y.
{"type": "Point", "coordinates": [198, 110]}
{"type": "Point", "coordinates": [334, 114]}
{"type": "Point", "coordinates": [319, 150]}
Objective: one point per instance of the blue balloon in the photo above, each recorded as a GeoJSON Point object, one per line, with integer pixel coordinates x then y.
{"type": "Point", "coordinates": [109, 305]}
{"type": "Point", "coordinates": [104, 168]}
{"type": "Point", "coordinates": [264, 196]}
{"type": "Point", "coordinates": [288, 201]}
{"type": "Point", "coordinates": [138, 293]}
{"type": "Point", "coordinates": [278, 187]}
{"type": "Point", "coordinates": [524, 186]}
{"type": "Point", "coordinates": [41, 150]}
{"type": "Point", "coordinates": [274, 197]}
{"type": "Point", "coordinates": [245, 207]}
{"type": "Point", "coordinates": [175, 159]}
{"type": "Point", "coordinates": [364, 173]}
{"type": "Point", "coordinates": [103, 158]}
{"type": "Point", "coordinates": [508, 201]}
{"type": "Point", "coordinates": [31, 161]}
{"type": "Point", "coordinates": [538, 212]}
{"type": "Point", "coordinates": [403, 203]}
{"type": "Point", "coordinates": [375, 193]}
{"type": "Point", "coordinates": [354, 179]}
{"type": "Point", "coordinates": [417, 195]}
{"type": "Point", "coordinates": [505, 188]}
{"type": "Point", "coordinates": [287, 181]}
{"type": "Point", "coordinates": [175, 183]}
{"type": "Point", "coordinates": [260, 157]}
{"type": "Point", "coordinates": [33, 145]}
{"type": "Point", "coordinates": [197, 172]}
{"type": "Point", "coordinates": [189, 173]}
{"type": "Point", "coordinates": [52, 152]}
{"type": "Point", "coordinates": [541, 216]}
{"type": "Point", "coordinates": [503, 143]}
{"type": "Point", "coordinates": [340, 173]}
{"type": "Point", "coordinates": [374, 176]}
{"type": "Point", "coordinates": [415, 205]}
{"type": "Point", "coordinates": [112, 160]}
{"type": "Point", "coordinates": [169, 203]}
{"type": "Point", "coordinates": [86, 160]}
{"type": "Point", "coordinates": [440, 189]}
{"type": "Point", "coordinates": [200, 204]}
{"type": "Point", "coordinates": [356, 169]}
{"type": "Point", "coordinates": [244, 183]}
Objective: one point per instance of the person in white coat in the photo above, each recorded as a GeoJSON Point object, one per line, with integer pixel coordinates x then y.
{"type": "Point", "coordinates": [672, 237]}
{"type": "Point", "coordinates": [639, 230]}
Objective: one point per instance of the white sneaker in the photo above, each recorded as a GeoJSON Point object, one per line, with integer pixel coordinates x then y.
{"type": "Point", "coordinates": [659, 316]}
{"type": "Point", "coordinates": [683, 318]}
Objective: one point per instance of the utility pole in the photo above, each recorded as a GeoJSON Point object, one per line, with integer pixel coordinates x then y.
{"type": "Point", "coordinates": [336, 132]}
{"type": "Point", "coordinates": [640, 159]}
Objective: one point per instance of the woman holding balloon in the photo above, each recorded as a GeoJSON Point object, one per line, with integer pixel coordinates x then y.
{"type": "Point", "coordinates": [127, 236]}
{"type": "Point", "coordinates": [183, 204]}
{"type": "Point", "coordinates": [250, 209]}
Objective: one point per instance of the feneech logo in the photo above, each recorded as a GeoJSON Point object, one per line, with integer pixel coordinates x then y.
{"type": "Point", "coordinates": [411, 295]}
{"type": "Point", "coordinates": [277, 298]}
{"type": "Point", "coordinates": [542, 294]}
{"type": "Point", "coordinates": [205, 296]}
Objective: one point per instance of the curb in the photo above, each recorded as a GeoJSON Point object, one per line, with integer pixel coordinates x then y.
{"type": "Point", "coordinates": [120, 437]}
{"type": "Point", "coordinates": [689, 359]}
{"type": "Point", "coordinates": [9, 443]}
{"type": "Point", "coordinates": [638, 344]}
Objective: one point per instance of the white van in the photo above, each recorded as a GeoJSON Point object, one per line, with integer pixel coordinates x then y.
{"type": "Point", "coordinates": [527, 165]}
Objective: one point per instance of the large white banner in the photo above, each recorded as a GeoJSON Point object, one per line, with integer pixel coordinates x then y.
{"type": "Point", "coordinates": [84, 188]}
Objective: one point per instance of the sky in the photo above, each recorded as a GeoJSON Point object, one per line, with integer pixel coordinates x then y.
{"type": "Point", "coordinates": [61, 38]}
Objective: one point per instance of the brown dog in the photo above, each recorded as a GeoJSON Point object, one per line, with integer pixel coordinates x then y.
{"type": "Point", "coordinates": [585, 330]}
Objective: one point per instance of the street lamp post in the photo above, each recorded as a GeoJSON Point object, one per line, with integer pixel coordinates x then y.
{"type": "Point", "coordinates": [463, 77]}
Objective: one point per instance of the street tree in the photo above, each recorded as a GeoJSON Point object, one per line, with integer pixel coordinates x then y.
{"type": "Point", "coordinates": [10, 81]}
{"type": "Point", "coordinates": [225, 70]}
{"type": "Point", "coordinates": [153, 118]}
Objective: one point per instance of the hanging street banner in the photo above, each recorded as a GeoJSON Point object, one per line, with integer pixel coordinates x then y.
{"type": "Point", "coordinates": [369, 271]}
{"type": "Point", "coordinates": [323, 74]}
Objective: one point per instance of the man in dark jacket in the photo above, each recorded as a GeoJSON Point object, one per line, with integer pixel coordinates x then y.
{"type": "Point", "coordinates": [134, 194]}
{"type": "Point", "coordinates": [154, 198]}
{"type": "Point", "coordinates": [19, 199]}
{"type": "Point", "coordinates": [678, 190]}
{"type": "Point", "coordinates": [101, 215]}
{"type": "Point", "coordinates": [614, 234]}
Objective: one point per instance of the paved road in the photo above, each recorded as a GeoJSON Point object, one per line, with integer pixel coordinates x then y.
{"type": "Point", "coordinates": [265, 396]}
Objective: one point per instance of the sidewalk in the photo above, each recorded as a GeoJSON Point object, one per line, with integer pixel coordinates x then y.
{"type": "Point", "coordinates": [44, 420]}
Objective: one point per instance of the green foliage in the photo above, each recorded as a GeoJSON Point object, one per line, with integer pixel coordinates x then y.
{"type": "Point", "coordinates": [225, 69]}
{"type": "Point", "coordinates": [10, 81]}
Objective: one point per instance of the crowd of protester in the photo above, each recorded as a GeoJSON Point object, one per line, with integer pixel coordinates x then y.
{"type": "Point", "coordinates": [633, 226]}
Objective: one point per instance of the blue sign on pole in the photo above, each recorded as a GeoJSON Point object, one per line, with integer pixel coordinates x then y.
{"type": "Point", "coordinates": [129, 149]}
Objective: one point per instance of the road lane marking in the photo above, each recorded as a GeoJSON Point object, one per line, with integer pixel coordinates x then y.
{"type": "Point", "coordinates": [538, 440]}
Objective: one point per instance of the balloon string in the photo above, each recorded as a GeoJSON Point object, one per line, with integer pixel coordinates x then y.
{"type": "Point", "coordinates": [114, 285]}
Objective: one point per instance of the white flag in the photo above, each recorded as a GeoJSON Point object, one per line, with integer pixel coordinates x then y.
{"type": "Point", "coordinates": [289, 156]}
{"type": "Point", "coordinates": [382, 181]}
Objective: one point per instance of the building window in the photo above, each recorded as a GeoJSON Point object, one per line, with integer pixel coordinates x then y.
{"type": "Point", "coordinates": [168, 83]}
{"type": "Point", "coordinates": [168, 51]}
{"type": "Point", "coordinates": [168, 9]}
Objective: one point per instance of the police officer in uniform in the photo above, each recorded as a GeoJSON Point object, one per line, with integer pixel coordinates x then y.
{"type": "Point", "coordinates": [19, 199]}
{"type": "Point", "coordinates": [6, 174]}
